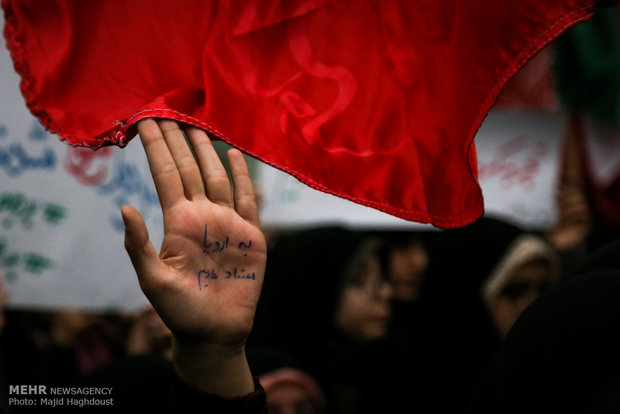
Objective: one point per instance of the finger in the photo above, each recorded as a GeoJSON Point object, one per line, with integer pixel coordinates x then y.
{"type": "Point", "coordinates": [184, 160]}
{"type": "Point", "coordinates": [245, 199]}
{"type": "Point", "coordinates": [163, 169]}
{"type": "Point", "coordinates": [141, 251]}
{"type": "Point", "coordinates": [213, 172]}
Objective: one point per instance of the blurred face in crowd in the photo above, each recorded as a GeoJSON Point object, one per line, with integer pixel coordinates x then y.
{"type": "Point", "coordinates": [67, 325]}
{"type": "Point", "coordinates": [407, 268]}
{"type": "Point", "coordinates": [149, 334]}
{"type": "Point", "coordinates": [158, 336]}
{"type": "Point", "coordinates": [363, 313]}
{"type": "Point", "coordinates": [525, 283]}
{"type": "Point", "coordinates": [290, 398]}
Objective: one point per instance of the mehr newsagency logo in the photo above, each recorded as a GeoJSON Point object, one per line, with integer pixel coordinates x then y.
{"type": "Point", "coordinates": [44, 396]}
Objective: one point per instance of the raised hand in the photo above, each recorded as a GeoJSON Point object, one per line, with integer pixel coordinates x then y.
{"type": "Point", "coordinates": [574, 219]}
{"type": "Point", "coordinates": [206, 280]}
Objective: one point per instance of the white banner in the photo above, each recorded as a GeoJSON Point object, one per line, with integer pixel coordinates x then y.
{"type": "Point", "coordinates": [61, 233]}
{"type": "Point", "coordinates": [519, 161]}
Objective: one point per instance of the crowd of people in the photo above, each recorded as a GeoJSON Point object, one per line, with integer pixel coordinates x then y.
{"type": "Point", "coordinates": [329, 319]}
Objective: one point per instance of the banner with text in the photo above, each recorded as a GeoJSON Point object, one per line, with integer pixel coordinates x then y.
{"type": "Point", "coordinates": [61, 233]}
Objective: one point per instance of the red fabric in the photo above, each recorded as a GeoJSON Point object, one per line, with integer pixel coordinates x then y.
{"type": "Point", "coordinates": [377, 102]}
{"type": "Point", "coordinates": [533, 88]}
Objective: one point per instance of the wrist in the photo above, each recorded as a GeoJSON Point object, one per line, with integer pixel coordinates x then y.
{"type": "Point", "coordinates": [213, 368]}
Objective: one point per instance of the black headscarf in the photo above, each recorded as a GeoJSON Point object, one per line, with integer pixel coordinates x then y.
{"type": "Point", "coordinates": [458, 336]}
{"type": "Point", "coordinates": [563, 353]}
{"type": "Point", "coordinates": [304, 281]}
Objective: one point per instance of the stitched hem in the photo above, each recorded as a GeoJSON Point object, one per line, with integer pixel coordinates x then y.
{"type": "Point", "coordinates": [18, 54]}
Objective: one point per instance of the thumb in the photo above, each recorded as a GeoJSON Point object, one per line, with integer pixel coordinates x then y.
{"type": "Point", "coordinates": [141, 251]}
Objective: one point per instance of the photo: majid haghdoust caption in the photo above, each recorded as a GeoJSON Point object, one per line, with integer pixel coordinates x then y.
{"type": "Point", "coordinates": [41, 395]}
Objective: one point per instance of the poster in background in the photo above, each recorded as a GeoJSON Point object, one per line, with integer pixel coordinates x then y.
{"type": "Point", "coordinates": [519, 163]}
{"type": "Point", "coordinates": [61, 233]}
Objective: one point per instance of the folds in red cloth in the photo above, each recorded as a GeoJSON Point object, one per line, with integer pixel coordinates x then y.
{"type": "Point", "coordinates": [376, 102]}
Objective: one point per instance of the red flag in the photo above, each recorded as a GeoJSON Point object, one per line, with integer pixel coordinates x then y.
{"type": "Point", "coordinates": [376, 102]}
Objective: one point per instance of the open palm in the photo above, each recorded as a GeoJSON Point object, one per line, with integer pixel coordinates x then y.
{"type": "Point", "coordinates": [206, 280]}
